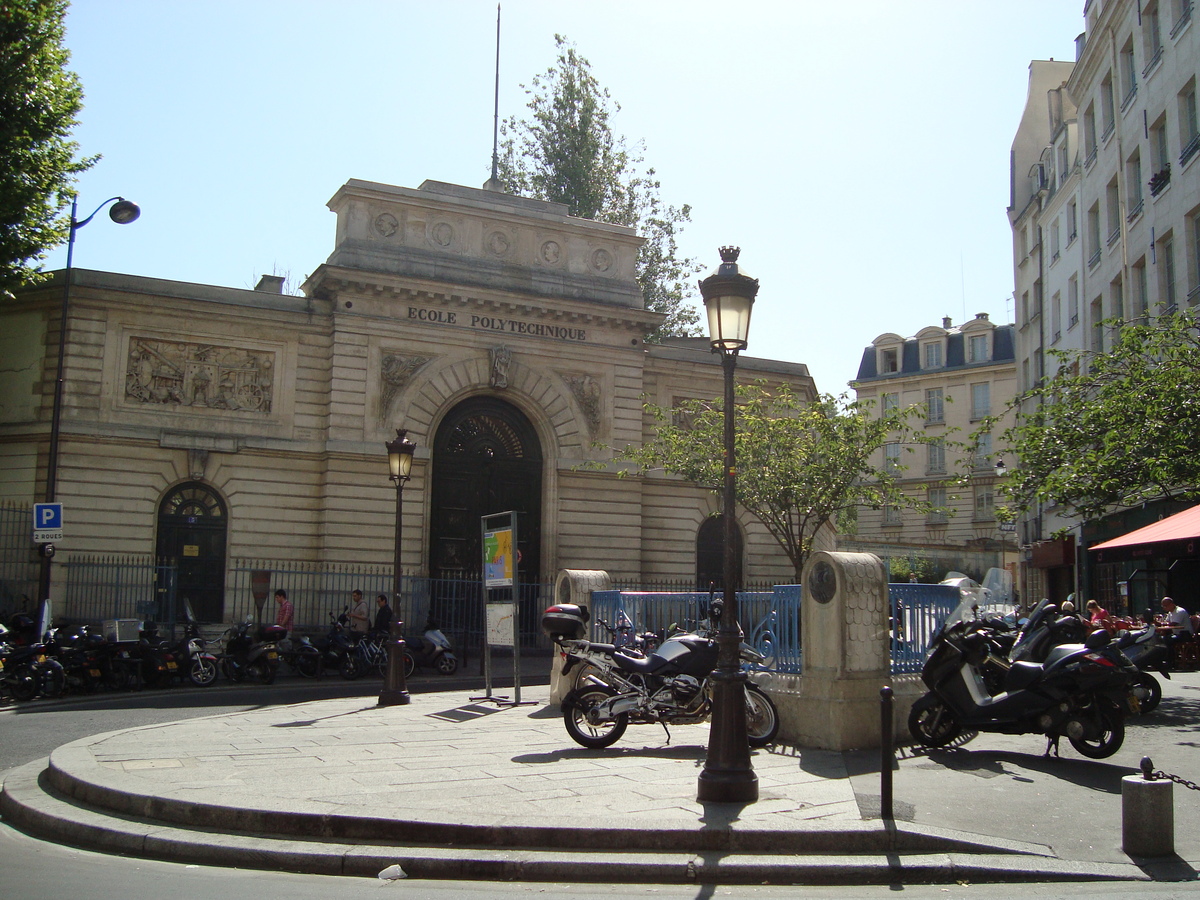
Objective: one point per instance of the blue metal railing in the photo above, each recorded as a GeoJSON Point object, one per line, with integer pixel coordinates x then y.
{"type": "Point", "coordinates": [917, 612]}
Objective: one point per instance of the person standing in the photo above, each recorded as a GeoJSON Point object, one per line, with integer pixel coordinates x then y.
{"type": "Point", "coordinates": [360, 618]}
{"type": "Point", "coordinates": [285, 612]}
{"type": "Point", "coordinates": [383, 615]}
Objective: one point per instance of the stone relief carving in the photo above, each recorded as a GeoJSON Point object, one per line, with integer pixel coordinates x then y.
{"type": "Point", "coordinates": [501, 360]}
{"type": "Point", "coordinates": [602, 260]}
{"type": "Point", "coordinates": [442, 234]}
{"type": "Point", "coordinates": [551, 253]}
{"type": "Point", "coordinates": [498, 243]}
{"type": "Point", "coordinates": [586, 391]}
{"type": "Point", "coordinates": [395, 372]}
{"type": "Point", "coordinates": [207, 376]}
{"type": "Point", "coordinates": [386, 224]}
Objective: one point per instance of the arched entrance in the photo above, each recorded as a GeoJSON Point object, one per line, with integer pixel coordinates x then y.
{"type": "Point", "coordinates": [191, 535]}
{"type": "Point", "coordinates": [486, 459]}
{"type": "Point", "coordinates": [710, 554]}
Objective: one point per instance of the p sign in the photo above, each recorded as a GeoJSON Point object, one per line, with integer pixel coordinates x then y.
{"type": "Point", "coordinates": [47, 522]}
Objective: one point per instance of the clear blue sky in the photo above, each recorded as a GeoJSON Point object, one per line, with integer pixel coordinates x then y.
{"type": "Point", "coordinates": [857, 152]}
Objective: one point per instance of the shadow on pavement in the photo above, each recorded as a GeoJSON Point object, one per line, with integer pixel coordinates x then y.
{"type": "Point", "coordinates": [696, 753]}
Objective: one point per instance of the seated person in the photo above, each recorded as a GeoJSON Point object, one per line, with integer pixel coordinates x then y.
{"type": "Point", "coordinates": [1178, 624]}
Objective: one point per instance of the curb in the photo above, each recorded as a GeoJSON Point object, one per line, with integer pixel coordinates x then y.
{"type": "Point", "coordinates": [29, 801]}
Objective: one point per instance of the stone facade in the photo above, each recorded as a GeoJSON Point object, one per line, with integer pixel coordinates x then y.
{"type": "Point", "coordinates": [279, 406]}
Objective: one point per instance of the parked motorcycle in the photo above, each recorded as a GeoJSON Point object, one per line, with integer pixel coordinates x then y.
{"type": "Point", "coordinates": [249, 654]}
{"type": "Point", "coordinates": [301, 656]}
{"type": "Point", "coordinates": [1081, 691]}
{"type": "Point", "coordinates": [431, 650]}
{"type": "Point", "coordinates": [1147, 650]}
{"type": "Point", "coordinates": [670, 686]}
{"type": "Point", "coordinates": [89, 662]}
{"type": "Point", "coordinates": [26, 671]}
{"type": "Point", "coordinates": [335, 645]}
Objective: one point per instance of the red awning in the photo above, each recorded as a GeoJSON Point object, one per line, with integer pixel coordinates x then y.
{"type": "Point", "coordinates": [1179, 527]}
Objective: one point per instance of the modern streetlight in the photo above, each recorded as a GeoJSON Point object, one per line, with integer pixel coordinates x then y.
{"type": "Point", "coordinates": [122, 212]}
{"type": "Point", "coordinates": [728, 776]}
{"type": "Point", "coordinates": [400, 457]}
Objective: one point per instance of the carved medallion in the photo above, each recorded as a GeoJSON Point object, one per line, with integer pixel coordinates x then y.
{"type": "Point", "coordinates": [442, 234]}
{"type": "Point", "coordinates": [498, 243]}
{"type": "Point", "coordinates": [386, 224]}
{"type": "Point", "coordinates": [602, 260]}
{"type": "Point", "coordinates": [181, 373]}
{"type": "Point", "coordinates": [551, 253]}
{"type": "Point", "coordinates": [823, 582]}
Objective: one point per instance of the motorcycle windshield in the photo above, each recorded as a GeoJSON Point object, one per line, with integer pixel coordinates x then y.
{"type": "Point", "coordinates": [1043, 614]}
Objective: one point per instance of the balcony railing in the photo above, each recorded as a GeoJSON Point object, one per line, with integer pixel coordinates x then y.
{"type": "Point", "coordinates": [1135, 210]}
{"type": "Point", "coordinates": [1185, 16]}
{"type": "Point", "coordinates": [1190, 150]}
{"type": "Point", "coordinates": [1154, 61]}
{"type": "Point", "coordinates": [1128, 99]}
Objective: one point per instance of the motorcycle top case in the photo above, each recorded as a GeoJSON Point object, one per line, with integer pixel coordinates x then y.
{"type": "Point", "coordinates": [272, 633]}
{"type": "Point", "coordinates": [566, 620]}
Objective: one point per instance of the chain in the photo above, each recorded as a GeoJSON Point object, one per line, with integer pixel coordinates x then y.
{"type": "Point", "coordinates": [1190, 785]}
{"type": "Point", "coordinates": [1149, 773]}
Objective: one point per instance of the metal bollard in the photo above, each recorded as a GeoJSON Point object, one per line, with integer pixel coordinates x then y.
{"type": "Point", "coordinates": [395, 689]}
{"type": "Point", "coordinates": [1147, 814]}
{"type": "Point", "coordinates": [887, 753]}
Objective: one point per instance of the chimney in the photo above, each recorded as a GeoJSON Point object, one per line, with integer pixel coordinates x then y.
{"type": "Point", "coordinates": [270, 284]}
{"type": "Point", "coordinates": [983, 316]}
{"type": "Point", "coordinates": [946, 323]}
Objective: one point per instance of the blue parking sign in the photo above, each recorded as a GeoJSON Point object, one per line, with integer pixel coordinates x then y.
{"type": "Point", "coordinates": [47, 522]}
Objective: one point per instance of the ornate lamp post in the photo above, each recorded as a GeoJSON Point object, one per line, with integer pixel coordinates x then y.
{"type": "Point", "coordinates": [122, 212]}
{"type": "Point", "coordinates": [400, 456]}
{"type": "Point", "coordinates": [728, 776]}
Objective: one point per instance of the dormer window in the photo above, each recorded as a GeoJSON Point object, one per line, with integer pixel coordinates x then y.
{"type": "Point", "coordinates": [977, 348]}
{"type": "Point", "coordinates": [889, 361]}
{"type": "Point", "coordinates": [932, 355]}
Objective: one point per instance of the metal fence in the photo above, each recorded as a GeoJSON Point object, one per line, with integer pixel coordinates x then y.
{"type": "Point", "coordinates": [97, 588]}
{"type": "Point", "coordinates": [18, 567]}
{"type": "Point", "coordinates": [917, 611]}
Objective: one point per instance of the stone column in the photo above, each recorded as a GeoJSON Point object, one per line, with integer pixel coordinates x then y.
{"type": "Point", "coordinates": [573, 586]}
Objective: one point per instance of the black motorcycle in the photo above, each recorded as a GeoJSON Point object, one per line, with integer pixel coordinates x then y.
{"type": "Point", "coordinates": [670, 685]}
{"type": "Point", "coordinates": [1081, 691]}
{"type": "Point", "coordinates": [251, 653]}
{"type": "Point", "coordinates": [26, 671]}
{"type": "Point", "coordinates": [335, 645]}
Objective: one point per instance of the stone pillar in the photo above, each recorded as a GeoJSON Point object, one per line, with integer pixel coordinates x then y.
{"type": "Point", "coordinates": [1147, 816]}
{"type": "Point", "coordinates": [844, 616]}
{"type": "Point", "coordinates": [573, 586]}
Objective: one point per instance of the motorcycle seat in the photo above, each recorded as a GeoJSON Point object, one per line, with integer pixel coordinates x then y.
{"type": "Point", "coordinates": [642, 665]}
{"type": "Point", "coordinates": [1021, 675]}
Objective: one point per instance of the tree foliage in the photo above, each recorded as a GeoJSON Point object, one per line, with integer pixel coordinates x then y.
{"type": "Point", "coordinates": [801, 465]}
{"type": "Point", "coordinates": [566, 151]}
{"type": "Point", "coordinates": [39, 100]}
{"type": "Point", "coordinates": [1113, 429]}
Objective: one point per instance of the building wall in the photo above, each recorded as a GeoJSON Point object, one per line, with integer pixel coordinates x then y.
{"type": "Point", "coordinates": [1135, 73]}
{"type": "Point", "coordinates": [968, 537]}
{"type": "Point", "coordinates": [282, 404]}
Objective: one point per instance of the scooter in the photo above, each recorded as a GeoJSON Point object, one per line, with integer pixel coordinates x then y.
{"type": "Point", "coordinates": [1081, 691]}
{"type": "Point", "coordinates": [432, 650]}
{"type": "Point", "coordinates": [335, 646]}
{"type": "Point", "coordinates": [247, 654]}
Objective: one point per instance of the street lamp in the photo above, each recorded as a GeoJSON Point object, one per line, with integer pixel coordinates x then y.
{"type": "Point", "coordinates": [122, 212]}
{"type": "Point", "coordinates": [400, 452]}
{"type": "Point", "coordinates": [728, 776]}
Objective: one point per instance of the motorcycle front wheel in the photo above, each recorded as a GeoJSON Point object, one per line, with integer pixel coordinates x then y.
{"type": "Point", "coordinates": [266, 671]}
{"type": "Point", "coordinates": [762, 720]}
{"type": "Point", "coordinates": [352, 667]}
{"type": "Point", "coordinates": [1110, 734]}
{"type": "Point", "coordinates": [575, 709]}
{"type": "Point", "coordinates": [931, 722]}
{"type": "Point", "coordinates": [202, 672]}
{"type": "Point", "coordinates": [24, 684]}
{"type": "Point", "coordinates": [447, 665]}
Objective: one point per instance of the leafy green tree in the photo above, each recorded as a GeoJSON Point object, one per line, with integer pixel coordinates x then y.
{"type": "Point", "coordinates": [801, 465]}
{"type": "Point", "coordinates": [39, 100]}
{"type": "Point", "coordinates": [1113, 429]}
{"type": "Point", "coordinates": [566, 151]}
